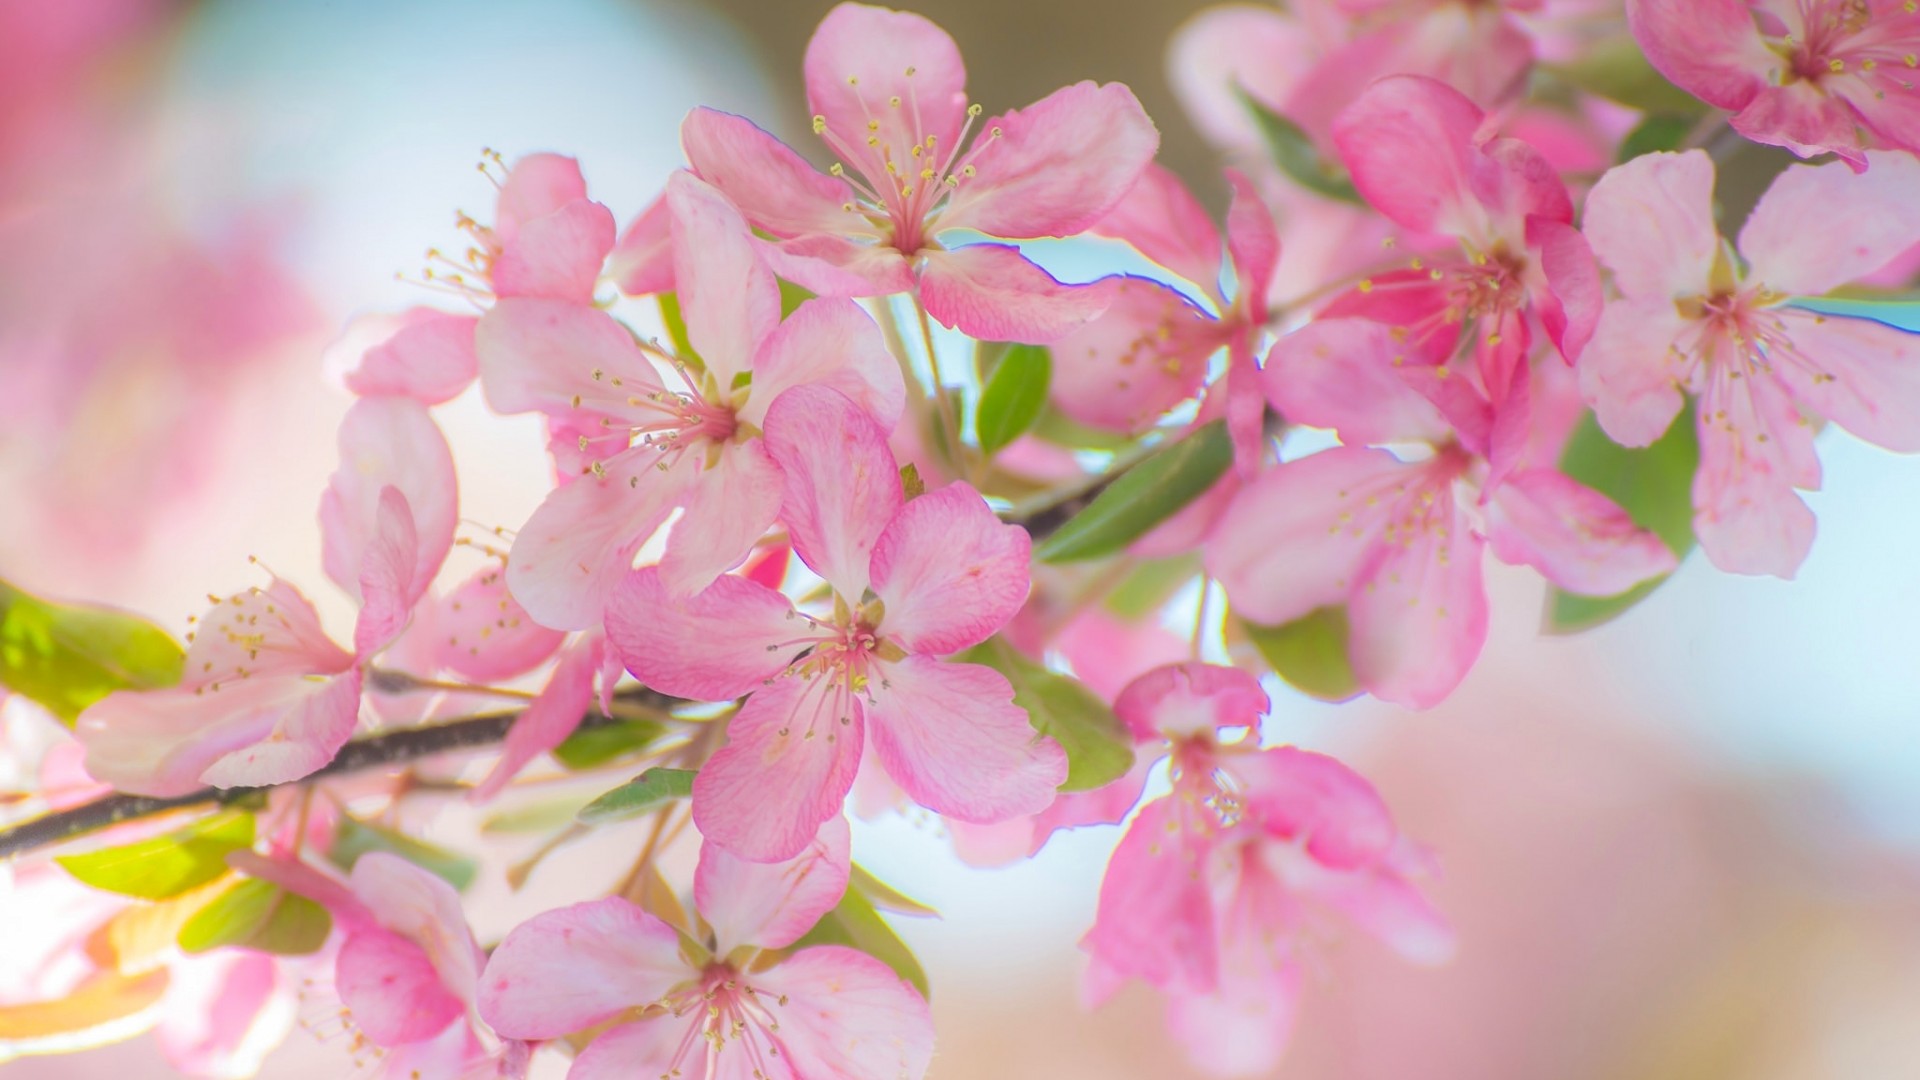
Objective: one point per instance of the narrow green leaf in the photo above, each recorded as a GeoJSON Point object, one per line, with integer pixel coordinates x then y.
{"type": "Point", "coordinates": [854, 923]}
{"type": "Point", "coordinates": [1293, 151]}
{"type": "Point", "coordinates": [356, 838]}
{"type": "Point", "coordinates": [648, 791]}
{"type": "Point", "coordinates": [548, 815]}
{"type": "Point", "coordinates": [1153, 490]}
{"type": "Point", "coordinates": [1310, 653]}
{"type": "Point", "coordinates": [1061, 707]}
{"type": "Point", "coordinates": [676, 324]}
{"type": "Point", "coordinates": [165, 866]}
{"type": "Point", "coordinates": [1654, 485]}
{"type": "Point", "coordinates": [591, 747]}
{"type": "Point", "coordinates": [1617, 70]}
{"type": "Point", "coordinates": [1658, 132]}
{"type": "Point", "coordinates": [884, 896]}
{"type": "Point", "coordinates": [1150, 585]}
{"type": "Point", "coordinates": [68, 656]}
{"type": "Point", "coordinates": [258, 915]}
{"type": "Point", "coordinates": [1060, 431]}
{"type": "Point", "coordinates": [1013, 396]}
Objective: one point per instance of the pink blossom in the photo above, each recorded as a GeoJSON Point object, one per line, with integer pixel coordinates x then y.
{"type": "Point", "coordinates": [888, 94]}
{"type": "Point", "coordinates": [267, 697]}
{"type": "Point", "coordinates": [945, 574]}
{"type": "Point", "coordinates": [1149, 350]}
{"type": "Point", "coordinates": [1814, 76]}
{"type": "Point", "coordinates": [1419, 153]}
{"type": "Point", "coordinates": [1399, 540]}
{"type": "Point", "coordinates": [1215, 887]}
{"type": "Point", "coordinates": [698, 447]}
{"type": "Point", "coordinates": [822, 1013]}
{"type": "Point", "coordinates": [1696, 318]}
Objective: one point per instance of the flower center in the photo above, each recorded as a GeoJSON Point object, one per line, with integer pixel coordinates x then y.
{"type": "Point", "coordinates": [731, 1016]}
{"type": "Point", "coordinates": [908, 176]}
{"type": "Point", "coordinates": [1837, 40]}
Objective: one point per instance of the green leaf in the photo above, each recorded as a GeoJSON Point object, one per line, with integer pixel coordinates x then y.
{"type": "Point", "coordinates": [1310, 653]}
{"type": "Point", "coordinates": [884, 896]}
{"type": "Point", "coordinates": [1013, 396]}
{"type": "Point", "coordinates": [648, 791]}
{"type": "Point", "coordinates": [676, 324]}
{"type": "Point", "coordinates": [1060, 706]}
{"type": "Point", "coordinates": [68, 656]}
{"type": "Point", "coordinates": [792, 296]}
{"type": "Point", "coordinates": [258, 915]}
{"type": "Point", "coordinates": [1658, 132]}
{"type": "Point", "coordinates": [547, 815]}
{"type": "Point", "coordinates": [854, 923]}
{"type": "Point", "coordinates": [1157, 487]}
{"type": "Point", "coordinates": [1617, 70]}
{"type": "Point", "coordinates": [590, 747]}
{"type": "Point", "coordinates": [1072, 434]}
{"type": "Point", "coordinates": [1293, 151]}
{"type": "Point", "coordinates": [356, 838]}
{"type": "Point", "coordinates": [911, 486]}
{"type": "Point", "coordinates": [165, 866]}
{"type": "Point", "coordinates": [1654, 485]}
{"type": "Point", "coordinates": [1150, 585]}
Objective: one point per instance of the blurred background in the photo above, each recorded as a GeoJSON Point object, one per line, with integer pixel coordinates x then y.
{"type": "Point", "coordinates": [1684, 845]}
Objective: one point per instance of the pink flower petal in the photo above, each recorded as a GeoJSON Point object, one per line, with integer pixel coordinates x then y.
{"type": "Point", "coordinates": [481, 633]}
{"type": "Point", "coordinates": [992, 293]}
{"type": "Point", "coordinates": [1155, 917]}
{"type": "Point", "coordinates": [417, 904]}
{"type": "Point", "coordinates": [842, 486]}
{"type": "Point", "coordinates": [1224, 51]}
{"type": "Point", "coordinates": [1108, 805]}
{"type": "Point", "coordinates": [1805, 119]}
{"type": "Point", "coordinates": [574, 967]}
{"type": "Point", "coordinates": [1241, 1029]}
{"type": "Point", "coordinates": [1180, 700]}
{"type": "Point", "coordinates": [788, 763]}
{"type": "Point", "coordinates": [1709, 48]}
{"type": "Point", "coordinates": [1576, 537]}
{"type": "Point", "coordinates": [387, 588]}
{"type": "Point", "coordinates": [863, 60]}
{"type": "Point", "coordinates": [644, 1048]}
{"type": "Point", "coordinates": [950, 735]}
{"type": "Point", "coordinates": [1821, 226]}
{"type": "Point", "coordinates": [1861, 374]}
{"type": "Point", "coordinates": [1295, 539]}
{"type": "Point", "coordinates": [1382, 902]}
{"type": "Point", "coordinates": [1419, 607]}
{"type": "Point", "coordinates": [1346, 374]}
{"type": "Point", "coordinates": [728, 507]}
{"type": "Point", "coordinates": [1142, 356]}
{"type": "Point", "coordinates": [224, 1013]}
{"type": "Point", "coordinates": [1410, 143]}
{"type": "Point", "coordinates": [1296, 795]}
{"type": "Point", "coordinates": [170, 742]}
{"type": "Point", "coordinates": [1164, 222]}
{"type": "Point", "coordinates": [1650, 221]}
{"type": "Point", "coordinates": [848, 1016]}
{"type": "Point", "coordinates": [642, 261]}
{"type": "Point", "coordinates": [834, 343]}
{"type": "Point", "coordinates": [271, 631]}
{"type": "Point", "coordinates": [1569, 307]}
{"type": "Point", "coordinates": [716, 645]}
{"type": "Point", "coordinates": [949, 571]}
{"type": "Point", "coordinates": [727, 295]}
{"type": "Point", "coordinates": [773, 186]}
{"type": "Point", "coordinates": [430, 358]}
{"type": "Point", "coordinates": [1631, 372]}
{"type": "Point", "coordinates": [770, 905]}
{"type": "Point", "coordinates": [580, 542]}
{"type": "Point", "coordinates": [387, 441]}
{"type": "Point", "coordinates": [536, 186]}
{"type": "Point", "coordinates": [549, 718]}
{"type": "Point", "coordinates": [1746, 513]}
{"type": "Point", "coordinates": [542, 356]}
{"type": "Point", "coordinates": [558, 256]}
{"type": "Point", "coordinates": [392, 990]}
{"type": "Point", "coordinates": [839, 267]}
{"type": "Point", "coordinates": [1254, 242]}
{"type": "Point", "coordinates": [1055, 167]}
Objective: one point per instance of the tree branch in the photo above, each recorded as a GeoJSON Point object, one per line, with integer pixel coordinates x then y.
{"type": "Point", "coordinates": [1041, 518]}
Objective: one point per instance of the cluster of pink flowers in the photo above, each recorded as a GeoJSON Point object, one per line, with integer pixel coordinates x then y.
{"type": "Point", "coordinates": [1463, 275]}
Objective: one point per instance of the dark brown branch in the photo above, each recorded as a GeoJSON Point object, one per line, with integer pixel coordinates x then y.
{"type": "Point", "coordinates": [413, 744]}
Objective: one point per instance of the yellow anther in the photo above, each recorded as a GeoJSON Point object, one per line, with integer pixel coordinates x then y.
{"type": "Point", "coordinates": [894, 101]}
{"type": "Point", "coordinates": [819, 125]}
{"type": "Point", "coordinates": [837, 169]}
{"type": "Point", "coordinates": [910, 71]}
{"type": "Point", "coordinates": [1836, 65]}
{"type": "Point", "coordinates": [1366, 285]}
{"type": "Point", "coordinates": [967, 171]}
{"type": "Point", "coordinates": [995, 133]}
{"type": "Point", "coordinates": [974, 110]}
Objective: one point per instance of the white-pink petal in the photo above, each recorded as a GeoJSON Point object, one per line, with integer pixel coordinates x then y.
{"type": "Point", "coordinates": [726, 508]}
{"type": "Point", "coordinates": [1861, 374]}
{"type": "Point", "coordinates": [1346, 374]}
{"type": "Point", "coordinates": [388, 442]}
{"type": "Point", "coordinates": [771, 905]}
{"type": "Point", "coordinates": [716, 645]}
{"type": "Point", "coordinates": [1576, 537]}
{"type": "Point", "coordinates": [773, 186]}
{"type": "Point", "coordinates": [1632, 371]}
{"type": "Point", "coordinates": [790, 757]}
{"type": "Point", "coordinates": [1822, 226]}
{"type": "Point", "coordinates": [429, 358]}
{"type": "Point", "coordinates": [848, 1016]}
{"type": "Point", "coordinates": [549, 718]}
{"type": "Point", "coordinates": [1164, 222]}
{"type": "Point", "coordinates": [950, 735]}
{"type": "Point", "coordinates": [581, 541]}
{"type": "Point", "coordinates": [568, 969]}
{"type": "Point", "coordinates": [842, 485]}
{"type": "Point", "coordinates": [727, 294]}
{"type": "Point", "coordinates": [1650, 221]}
{"type": "Point", "coordinates": [1176, 701]}
{"type": "Point", "coordinates": [543, 356]}
{"type": "Point", "coordinates": [831, 342]}
{"type": "Point", "coordinates": [991, 292]}
{"type": "Point", "coordinates": [1418, 613]}
{"type": "Point", "coordinates": [860, 60]}
{"type": "Point", "coordinates": [949, 571]}
{"type": "Point", "coordinates": [481, 633]}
